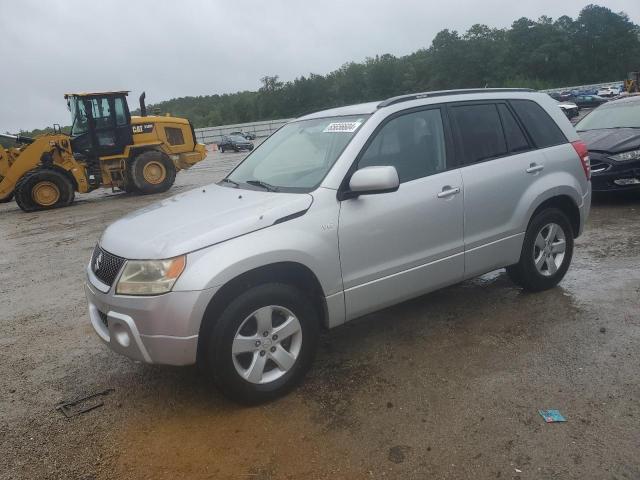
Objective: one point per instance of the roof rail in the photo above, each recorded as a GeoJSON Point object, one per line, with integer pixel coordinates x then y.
{"type": "Point", "coordinates": [441, 93]}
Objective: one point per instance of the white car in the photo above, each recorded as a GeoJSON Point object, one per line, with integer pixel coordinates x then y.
{"type": "Point", "coordinates": [570, 109]}
{"type": "Point", "coordinates": [608, 92]}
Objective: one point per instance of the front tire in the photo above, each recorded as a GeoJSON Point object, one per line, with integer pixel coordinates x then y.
{"type": "Point", "coordinates": [44, 189]}
{"type": "Point", "coordinates": [262, 344]}
{"type": "Point", "coordinates": [153, 172]}
{"type": "Point", "coordinates": [546, 252]}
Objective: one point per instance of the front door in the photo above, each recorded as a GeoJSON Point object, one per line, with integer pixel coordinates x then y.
{"type": "Point", "coordinates": [398, 245]}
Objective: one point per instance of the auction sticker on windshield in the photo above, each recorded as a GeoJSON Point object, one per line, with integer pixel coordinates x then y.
{"type": "Point", "coordinates": [340, 127]}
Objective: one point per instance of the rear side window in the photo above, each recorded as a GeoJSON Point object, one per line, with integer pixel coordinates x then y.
{"type": "Point", "coordinates": [121, 116]}
{"type": "Point", "coordinates": [543, 130]}
{"type": "Point", "coordinates": [516, 140]}
{"type": "Point", "coordinates": [480, 132]}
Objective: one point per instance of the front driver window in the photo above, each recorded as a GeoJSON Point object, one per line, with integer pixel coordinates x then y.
{"type": "Point", "coordinates": [413, 143]}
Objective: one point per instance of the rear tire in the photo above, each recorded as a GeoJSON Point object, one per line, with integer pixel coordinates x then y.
{"type": "Point", "coordinates": [546, 252]}
{"type": "Point", "coordinates": [44, 189]}
{"type": "Point", "coordinates": [153, 172]}
{"type": "Point", "coordinates": [281, 362]}
{"type": "Point", "coordinates": [127, 181]}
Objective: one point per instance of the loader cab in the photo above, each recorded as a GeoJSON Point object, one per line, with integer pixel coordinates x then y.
{"type": "Point", "coordinates": [100, 123]}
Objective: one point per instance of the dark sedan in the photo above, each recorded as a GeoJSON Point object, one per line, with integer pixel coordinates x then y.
{"type": "Point", "coordinates": [588, 101]}
{"type": "Point", "coordinates": [235, 143]}
{"type": "Point", "coordinates": [612, 135]}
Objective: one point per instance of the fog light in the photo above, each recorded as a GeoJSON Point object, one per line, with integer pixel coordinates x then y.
{"type": "Point", "coordinates": [121, 335]}
{"type": "Point", "coordinates": [627, 181]}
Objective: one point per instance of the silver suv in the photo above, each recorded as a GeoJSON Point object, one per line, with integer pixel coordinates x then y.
{"type": "Point", "coordinates": [337, 214]}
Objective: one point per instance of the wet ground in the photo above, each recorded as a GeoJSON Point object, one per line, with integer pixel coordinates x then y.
{"type": "Point", "coordinates": [446, 386]}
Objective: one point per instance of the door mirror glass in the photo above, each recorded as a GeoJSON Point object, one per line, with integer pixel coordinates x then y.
{"type": "Point", "coordinates": [370, 180]}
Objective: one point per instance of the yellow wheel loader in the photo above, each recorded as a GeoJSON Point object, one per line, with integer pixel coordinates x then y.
{"type": "Point", "coordinates": [106, 147]}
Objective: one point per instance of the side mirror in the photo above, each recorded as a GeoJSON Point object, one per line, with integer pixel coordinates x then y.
{"type": "Point", "coordinates": [372, 180]}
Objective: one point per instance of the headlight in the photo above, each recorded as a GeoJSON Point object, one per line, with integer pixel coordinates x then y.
{"type": "Point", "coordinates": [626, 156]}
{"type": "Point", "coordinates": [150, 277]}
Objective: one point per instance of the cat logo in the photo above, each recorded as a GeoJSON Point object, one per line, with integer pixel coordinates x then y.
{"type": "Point", "coordinates": [144, 128]}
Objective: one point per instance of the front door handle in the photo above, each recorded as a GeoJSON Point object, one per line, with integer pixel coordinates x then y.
{"type": "Point", "coordinates": [534, 168]}
{"type": "Point", "coordinates": [448, 191]}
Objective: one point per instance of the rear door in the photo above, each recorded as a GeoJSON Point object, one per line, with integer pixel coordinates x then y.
{"type": "Point", "coordinates": [499, 162]}
{"type": "Point", "coordinates": [398, 245]}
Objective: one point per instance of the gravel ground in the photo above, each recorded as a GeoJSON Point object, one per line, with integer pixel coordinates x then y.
{"type": "Point", "coordinates": [444, 386]}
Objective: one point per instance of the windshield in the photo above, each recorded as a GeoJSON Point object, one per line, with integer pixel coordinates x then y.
{"type": "Point", "coordinates": [625, 115]}
{"type": "Point", "coordinates": [79, 124]}
{"type": "Point", "coordinates": [298, 156]}
{"type": "Point", "coordinates": [237, 138]}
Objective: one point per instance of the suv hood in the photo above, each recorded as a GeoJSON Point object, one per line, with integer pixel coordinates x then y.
{"type": "Point", "coordinates": [611, 140]}
{"type": "Point", "coordinates": [197, 219]}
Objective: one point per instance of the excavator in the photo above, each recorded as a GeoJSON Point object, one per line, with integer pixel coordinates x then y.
{"type": "Point", "coordinates": [106, 147]}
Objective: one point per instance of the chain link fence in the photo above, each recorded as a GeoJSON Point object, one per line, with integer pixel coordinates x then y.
{"type": "Point", "coordinates": [259, 129]}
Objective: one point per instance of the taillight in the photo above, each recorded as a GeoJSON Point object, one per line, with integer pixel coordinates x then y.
{"type": "Point", "coordinates": [583, 153]}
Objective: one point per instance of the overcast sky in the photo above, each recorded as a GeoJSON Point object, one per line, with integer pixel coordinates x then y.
{"type": "Point", "coordinates": [180, 48]}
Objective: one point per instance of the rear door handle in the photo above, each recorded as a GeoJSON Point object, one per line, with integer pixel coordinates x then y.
{"type": "Point", "coordinates": [534, 168]}
{"type": "Point", "coordinates": [448, 191]}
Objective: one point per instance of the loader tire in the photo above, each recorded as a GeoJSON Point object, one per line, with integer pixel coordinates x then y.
{"type": "Point", "coordinates": [127, 184]}
{"type": "Point", "coordinates": [153, 172]}
{"type": "Point", "coordinates": [44, 189]}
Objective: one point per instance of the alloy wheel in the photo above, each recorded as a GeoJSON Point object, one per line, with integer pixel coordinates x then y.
{"type": "Point", "coordinates": [267, 344]}
{"type": "Point", "coordinates": [549, 249]}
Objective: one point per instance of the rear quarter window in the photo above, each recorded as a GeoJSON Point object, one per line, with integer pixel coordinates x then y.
{"type": "Point", "coordinates": [541, 127]}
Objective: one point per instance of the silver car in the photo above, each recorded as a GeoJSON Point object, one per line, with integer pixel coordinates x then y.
{"type": "Point", "coordinates": [338, 214]}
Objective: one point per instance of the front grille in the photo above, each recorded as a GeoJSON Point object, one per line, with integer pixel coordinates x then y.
{"type": "Point", "coordinates": [105, 265]}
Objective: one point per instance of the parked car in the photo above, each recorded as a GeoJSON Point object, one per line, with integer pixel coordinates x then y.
{"type": "Point", "coordinates": [612, 134]}
{"type": "Point", "coordinates": [235, 143]}
{"type": "Point", "coordinates": [560, 96]}
{"type": "Point", "coordinates": [337, 214]}
{"type": "Point", "coordinates": [588, 101]}
{"type": "Point", "coordinates": [246, 135]}
{"type": "Point", "coordinates": [608, 91]}
{"type": "Point", "coordinates": [570, 109]}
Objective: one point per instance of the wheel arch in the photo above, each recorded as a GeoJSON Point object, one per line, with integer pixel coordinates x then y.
{"type": "Point", "coordinates": [565, 204]}
{"type": "Point", "coordinates": [136, 150]}
{"type": "Point", "coordinates": [289, 272]}
{"type": "Point", "coordinates": [66, 173]}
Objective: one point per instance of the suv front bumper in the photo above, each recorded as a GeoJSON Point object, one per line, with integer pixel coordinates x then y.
{"type": "Point", "coordinates": [152, 329]}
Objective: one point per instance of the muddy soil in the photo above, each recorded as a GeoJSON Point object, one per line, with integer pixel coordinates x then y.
{"type": "Point", "coordinates": [445, 386]}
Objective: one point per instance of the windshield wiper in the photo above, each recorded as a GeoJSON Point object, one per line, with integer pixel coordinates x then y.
{"type": "Point", "coordinates": [228, 180]}
{"type": "Point", "coordinates": [265, 185]}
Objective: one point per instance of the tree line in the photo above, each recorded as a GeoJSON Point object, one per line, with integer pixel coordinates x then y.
{"type": "Point", "coordinates": [598, 46]}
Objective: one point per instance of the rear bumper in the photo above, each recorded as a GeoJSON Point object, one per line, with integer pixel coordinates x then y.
{"type": "Point", "coordinates": [160, 329]}
{"type": "Point", "coordinates": [585, 209]}
{"type": "Point", "coordinates": [187, 159]}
